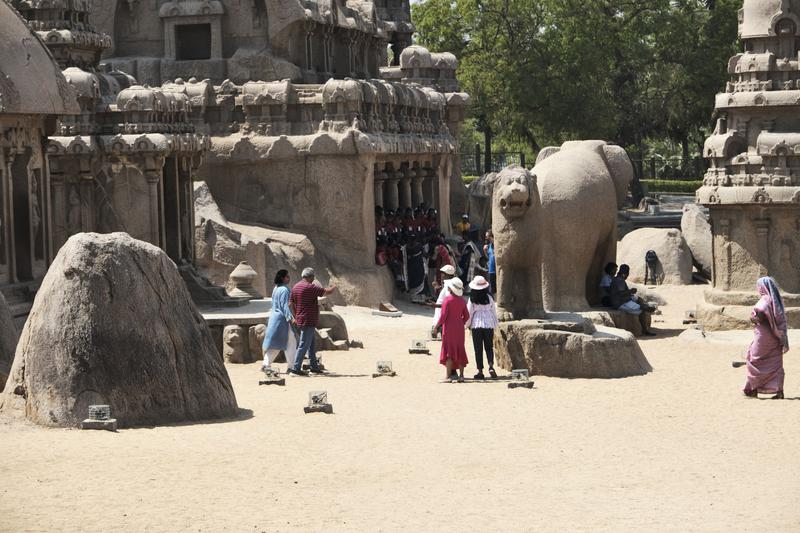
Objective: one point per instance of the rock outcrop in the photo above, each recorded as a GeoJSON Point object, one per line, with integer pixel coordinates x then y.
{"type": "Point", "coordinates": [220, 245]}
{"type": "Point", "coordinates": [568, 347]}
{"type": "Point", "coordinates": [8, 340]}
{"type": "Point", "coordinates": [696, 232]}
{"type": "Point", "coordinates": [674, 265]}
{"type": "Point", "coordinates": [113, 324]}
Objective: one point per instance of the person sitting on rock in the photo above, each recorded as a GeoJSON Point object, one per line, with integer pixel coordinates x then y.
{"type": "Point", "coordinates": [625, 299]}
{"type": "Point", "coordinates": [605, 283]}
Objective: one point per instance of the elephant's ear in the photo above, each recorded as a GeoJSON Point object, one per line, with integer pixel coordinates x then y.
{"type": "Point", "coordinates": [546, 152]}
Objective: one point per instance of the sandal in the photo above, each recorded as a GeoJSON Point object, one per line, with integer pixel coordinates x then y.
{"type": "Point", "coordinates": [461, 380]}
{"type": "Point", "coordinates": [493, 373]}
{"type": "Point", "coordinates": [751, 394]}
{"type": "Point", "coordinates": [778, 396]}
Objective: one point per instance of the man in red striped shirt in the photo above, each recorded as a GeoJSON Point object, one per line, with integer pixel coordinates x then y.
{"type": "Point", "coordinates": [305, 308]}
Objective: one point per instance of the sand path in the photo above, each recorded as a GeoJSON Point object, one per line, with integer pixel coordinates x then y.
{"type": "Point", "coordinates": [679, 449]}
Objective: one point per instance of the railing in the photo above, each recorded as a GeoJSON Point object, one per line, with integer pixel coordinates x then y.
{"type": "Point", "coordinates": [670, 168]}
{"type": "Point", "coordinates": [475, 164]}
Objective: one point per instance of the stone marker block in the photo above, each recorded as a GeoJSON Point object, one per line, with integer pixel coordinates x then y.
{"type": "Point", "coordinates": [384, 369]}
{"type": "Point", "coordinates": [520, 379]}
{"type": "Point", "coordinates": [318, 403]}
{"type": "Point", "coordinates": [109, 425]}
{"type": "Point", "coordinates": [419, 347]}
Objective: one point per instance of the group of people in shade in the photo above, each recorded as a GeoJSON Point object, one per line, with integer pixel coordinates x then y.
{"type": "Point", "coordinates": [411, 245]}
{"type": "Point", "coordinates": [295, 316]}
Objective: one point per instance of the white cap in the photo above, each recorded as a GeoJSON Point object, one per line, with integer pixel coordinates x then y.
{"type": "Point", "coordinates": [450, 270]}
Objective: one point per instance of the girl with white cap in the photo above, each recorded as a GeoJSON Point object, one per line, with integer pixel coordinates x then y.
{"type": "Point", "coordinates": [454, 317]}
{"type": "Point", "coordinates": [482, 321]}
{"type": "Point", "coordinates": [448, 272]}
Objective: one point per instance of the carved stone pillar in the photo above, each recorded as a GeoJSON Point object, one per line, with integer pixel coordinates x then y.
{"type": "Point", "coordinates": [153, 181]}
{"type": "Point", "coordinates": [417, 192]}
{"type": "Point", "coordinates": [59, 216]}
{"type": "Point", "coordinates": [405, 188]}
{"type": "Point", "coordinates": [379, 189]}
{"type": "Point", "coordinates": [392, 195]}
{"type": "Point", "coordinates": [428, 184]}
{"type": "Point", "coordinates": [87, 203]}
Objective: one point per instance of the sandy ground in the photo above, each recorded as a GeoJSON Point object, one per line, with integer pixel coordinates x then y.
{"type": "Point", "coordinates": [679, 449]}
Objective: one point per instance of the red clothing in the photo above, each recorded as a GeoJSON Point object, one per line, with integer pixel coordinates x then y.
{"type": "Point", "coordinates": [454, 317]}
{"type": "Point", "coordinates": [306, 308]}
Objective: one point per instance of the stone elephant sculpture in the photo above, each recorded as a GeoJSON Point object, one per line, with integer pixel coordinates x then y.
{"type": "Point", "coordinates": [581, 187]}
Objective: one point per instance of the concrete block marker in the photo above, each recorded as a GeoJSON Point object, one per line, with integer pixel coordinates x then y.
{"type": "Point", "coordinates": [318, 403]}
{"type": "Point", "coordinates": [272, 377]}
{"type": "Point", "coordinates": [419, 347]}
{"type": "Point", "coordinates": [520, 379]}
{"type": "Point", "coordinates": [100, 418]}
{"type": "Point", "coordinates": [384, 369]}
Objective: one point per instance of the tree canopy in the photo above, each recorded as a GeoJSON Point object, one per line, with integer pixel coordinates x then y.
{"type": "Point", "coordinates": [540, 72]}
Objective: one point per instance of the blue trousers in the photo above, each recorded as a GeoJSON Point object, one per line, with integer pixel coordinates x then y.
{"type": "Point", "coordinates": [306, 346]}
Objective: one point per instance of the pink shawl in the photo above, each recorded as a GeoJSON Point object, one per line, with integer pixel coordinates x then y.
{"type": "Point", "coordinates": [773, 304]}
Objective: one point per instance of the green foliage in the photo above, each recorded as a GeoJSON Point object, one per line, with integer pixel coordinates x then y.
{"type": "Point", "coordinates": [674, 186]}
{"type": "Point", "coordinates": [540, 72]}
{"type": "Point", "coordinates": [469, 179]}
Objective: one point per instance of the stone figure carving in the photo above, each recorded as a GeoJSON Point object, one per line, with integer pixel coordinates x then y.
{"type": "Point", "coordinates": [74, 212]}
{"type": "Point", "coordinates": [518, 238]}
{"type": "Point", "coordinates": [581, 185]}
{"type": "Point", "coordinates": [256, 340]}
{"type": "Point", "coordinates": [234, 344]}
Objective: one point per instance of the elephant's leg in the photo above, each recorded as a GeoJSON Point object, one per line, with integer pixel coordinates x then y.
{"type": "Point", "coordinates": [566, 273]}
{"type": "Point", "coordinates": [606, 253]}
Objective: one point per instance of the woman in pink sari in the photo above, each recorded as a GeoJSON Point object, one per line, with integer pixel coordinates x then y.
{"type": "Point", "coordinates": [765, 356]}
{"type": "Point", "coordinates": [453, 319]}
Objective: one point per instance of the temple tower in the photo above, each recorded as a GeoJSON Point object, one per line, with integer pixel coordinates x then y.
{"type": "Point", "coordinates": [752, 188]}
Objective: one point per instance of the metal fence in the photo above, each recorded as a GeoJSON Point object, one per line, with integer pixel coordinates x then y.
{"type": "Point", "coordinates": [475, 164]}
{"type": "Point", "coordinates": [670, 168]}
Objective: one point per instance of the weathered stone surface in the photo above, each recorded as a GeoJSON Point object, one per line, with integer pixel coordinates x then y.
{"type": "Point", "coordinates": [606, 353]}
{"type": "Point", "coordinates": [8, 340]}
{"type": "Point", "coordinates": [516, 225]}
{"type": "Point", "coordinates": [696, 231]}
{"type": "Point", "coordinates": [613, 318]}
{"type": "Point", "coordinates": [675, 260]}
{"type": "Point", "coordinates": [221, 245]}
{"type": "Point", "coordinates": [582, 184]}
{"type": "Point", "coordinates": [114, 324]}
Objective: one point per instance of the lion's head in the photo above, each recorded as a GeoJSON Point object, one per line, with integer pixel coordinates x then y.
{"type": "Point", "coordinates": [514, 192]}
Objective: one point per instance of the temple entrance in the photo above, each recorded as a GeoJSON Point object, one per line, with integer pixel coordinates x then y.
{"type": "Point", "coordinates": [21, 209]}
{"type": "Point", "coordinates": [172, 210]}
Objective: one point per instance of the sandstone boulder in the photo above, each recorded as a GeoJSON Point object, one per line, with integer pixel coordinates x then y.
{"type": "Point", "coordinates": [674, 265]}
{"type": "Point", "coordinates": [113, 324]}
{"type": "Point", "coordinates": [696, 232]}
{"type": "Point", "coordinates": [8, 340]}
{"type": "Point", "coordinates": [552, 349]}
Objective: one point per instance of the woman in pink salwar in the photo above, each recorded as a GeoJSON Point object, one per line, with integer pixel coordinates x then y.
{"type": "Point", "coordinates": [765, 356]}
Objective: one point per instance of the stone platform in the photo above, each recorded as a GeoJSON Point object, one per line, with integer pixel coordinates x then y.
{"type": "Point", "coordinates": [568, 346]}
{"type": "Point", "coordinates": [727, 310]}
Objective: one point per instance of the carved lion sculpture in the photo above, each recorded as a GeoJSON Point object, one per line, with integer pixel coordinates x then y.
{"type": "Point", "coordinates": [515, 224]}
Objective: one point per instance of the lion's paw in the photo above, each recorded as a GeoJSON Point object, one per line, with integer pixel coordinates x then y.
{"type": "Point", "coordinates": [504, 315]}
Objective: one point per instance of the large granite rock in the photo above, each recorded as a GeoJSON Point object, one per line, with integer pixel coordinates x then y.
{"type": "Point", "coordinates": [113, 324]}
{"type": "Point", "coordinates": [696, 232]}
{"type": "Point", "coordinates": [569, 348]}
{"type": "Point", "coordinates": [674, 259]}
{"type": "Point", "coordinates": [8, 340]}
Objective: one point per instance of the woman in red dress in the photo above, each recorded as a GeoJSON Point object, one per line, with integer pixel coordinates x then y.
{"type": "Point", "coordinates": [453, 319]}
